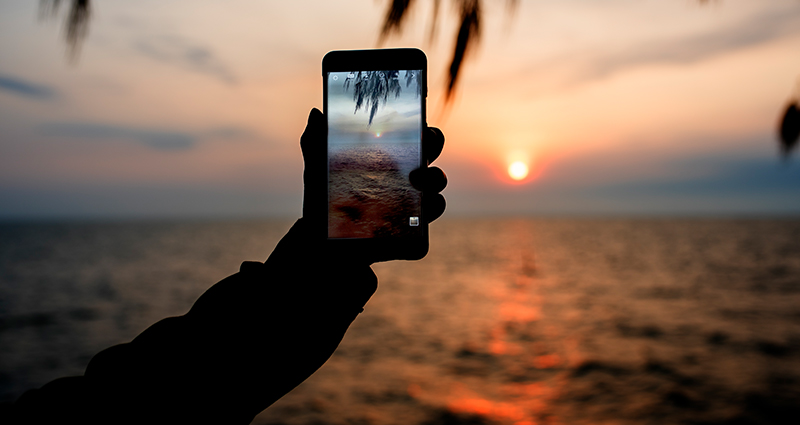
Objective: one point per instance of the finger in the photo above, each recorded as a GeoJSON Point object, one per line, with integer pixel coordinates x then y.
{"type": "Point", "coordinates": [432, 143]}
{"type": "Point", "coordinates": [433, 205]}
{"type": "Point", "coordinates": [428, 180]}
{"type": "Point", "coordinates": [312, 142]}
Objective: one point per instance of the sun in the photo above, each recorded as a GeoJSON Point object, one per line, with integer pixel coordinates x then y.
{"type": "Point", "coordinates": [518, 170]}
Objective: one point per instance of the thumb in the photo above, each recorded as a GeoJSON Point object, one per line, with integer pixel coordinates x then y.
{"type": "Point", "coordinates": [313, 145]}
{"type": "Point", "coordinates": [312, 142]}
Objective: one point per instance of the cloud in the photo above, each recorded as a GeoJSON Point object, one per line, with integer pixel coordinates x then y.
{"type": "Point", "coordinates": [157, 139]}
{"type": "Point", "coordinates": [26, 89]}
{"type": "Point", "coordinates": [583, 65]}
{"type": "Point", "coordinates": [160, 139]}
{"type": "Point", "coordinates": [228, 133]}
{"type": "Point", "coordinates": [159, 200]}
{"type": "Point", "coordinates": [176, 50]}
{"type": "Point", "coordinates": [745, 178]}
{"type": "Point", "coordinates": [734, 186]}
{"type": "Point", "coordinates": [756, 30]}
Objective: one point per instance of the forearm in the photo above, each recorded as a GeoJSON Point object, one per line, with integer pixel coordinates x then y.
{"type": "Point", "coordinates": [245, 343]}
{"type": "Point", "coordinates": [179, 370]}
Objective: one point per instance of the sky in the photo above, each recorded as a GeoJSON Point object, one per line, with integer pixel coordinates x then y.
{"type": "Point", "coordinates": [398, 116]}
{"type": "Point", "coordinates": [195, 108]}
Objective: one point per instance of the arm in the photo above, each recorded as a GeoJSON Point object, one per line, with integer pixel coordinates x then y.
{"type": "Point", "coordinates": [246, 342]}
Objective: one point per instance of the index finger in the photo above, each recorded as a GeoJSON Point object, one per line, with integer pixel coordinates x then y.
{"type": "Point", "coordinates": [432, 143]}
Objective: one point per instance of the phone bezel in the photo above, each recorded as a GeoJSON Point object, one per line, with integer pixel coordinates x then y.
{"type": "Point", "coordinates": [378, 249]}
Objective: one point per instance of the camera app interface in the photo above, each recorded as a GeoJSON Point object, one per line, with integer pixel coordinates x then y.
{"type": "Point", "coordinates": [374, 127]}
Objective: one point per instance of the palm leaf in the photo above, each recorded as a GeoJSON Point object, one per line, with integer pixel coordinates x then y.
{"type": "Point", "coordinates": [77, 25]}
{"type": "Point", "coordinates": [395, 16]}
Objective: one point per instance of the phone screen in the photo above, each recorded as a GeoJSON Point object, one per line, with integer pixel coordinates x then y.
{"type": "Point", "coordinates": [374, 141]}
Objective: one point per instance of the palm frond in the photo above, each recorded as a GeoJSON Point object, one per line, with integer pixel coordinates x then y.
{"type": "Point", "coordinates": [77, 26]}
{"type": "Point", "coordinates": [394, 19]}
{"type": "Point", "coordinates": [48, 8]}
{"type": "Point", "coordinates": [77, 22]}
{"type": "Point", "coordinates": [468, 35]}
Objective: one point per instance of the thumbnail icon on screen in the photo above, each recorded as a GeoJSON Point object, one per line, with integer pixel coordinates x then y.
{"type": "Point", "coordinates": [413, 221]}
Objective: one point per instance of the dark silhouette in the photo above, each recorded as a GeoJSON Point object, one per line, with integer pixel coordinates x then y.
{"type": "Point", "coordinates": [469, 33]}
{"type": "Point", "coordinates": [246, 342]}
{"type": "Point", "coordinates": [467, 36]}
{"type": "Point", "coordinates": [789, 129]}
{"type": "Point", "coordinates": [77, 22]}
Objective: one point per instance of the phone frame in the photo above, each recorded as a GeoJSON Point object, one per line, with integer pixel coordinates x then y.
{"type": "Point", "coordinates": [378, 249]}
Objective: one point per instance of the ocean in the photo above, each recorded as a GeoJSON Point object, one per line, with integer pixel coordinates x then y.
{"type": "Point", "coordinates": [506, 321]}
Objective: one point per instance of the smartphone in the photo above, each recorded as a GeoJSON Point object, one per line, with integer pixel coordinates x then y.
{"type": "Point", "coordinates": [374, 103]}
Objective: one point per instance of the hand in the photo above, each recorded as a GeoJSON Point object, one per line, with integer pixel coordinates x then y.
{"type": "Point", "coordinates": [246, 342]}
{"type": "Point", "coordinates": [303, 299]}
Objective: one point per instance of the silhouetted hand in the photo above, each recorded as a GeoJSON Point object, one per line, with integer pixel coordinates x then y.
{"type": "Point", "coordinates": [246, 342]}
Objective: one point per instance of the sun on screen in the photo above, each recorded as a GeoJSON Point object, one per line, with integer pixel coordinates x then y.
{"type": "Point", "coordinates": [518, 170]}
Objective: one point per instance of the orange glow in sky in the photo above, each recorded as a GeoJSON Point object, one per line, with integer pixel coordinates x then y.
{"type": "Point", "coordinates": [587, 98]}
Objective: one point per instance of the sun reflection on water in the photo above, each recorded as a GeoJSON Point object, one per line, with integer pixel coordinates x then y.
{"type": "Point", "coordinates": [580, 330]}
{"type": "Point", "coordinates": [518, 310]}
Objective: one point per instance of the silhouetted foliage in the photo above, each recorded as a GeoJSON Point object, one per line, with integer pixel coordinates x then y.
{"type": "Point", "coordinates": [468, 34]}
{"type": "Point", "coordinates": [467, 37]}
{"type": "Point", "coordinates": [371, 92]}
{"type": "Point", "coordinates": [371, 88]}
{"type": "Point", "coordinates": [393, 21]}
{"type": "Point", "coordinates": [77, 22]}
{"type": "Point", "coordinates": [789, 129]}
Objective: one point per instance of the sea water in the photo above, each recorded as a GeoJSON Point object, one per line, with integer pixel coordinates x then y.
{"type": "Point", "coordinates": [507, 321]}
